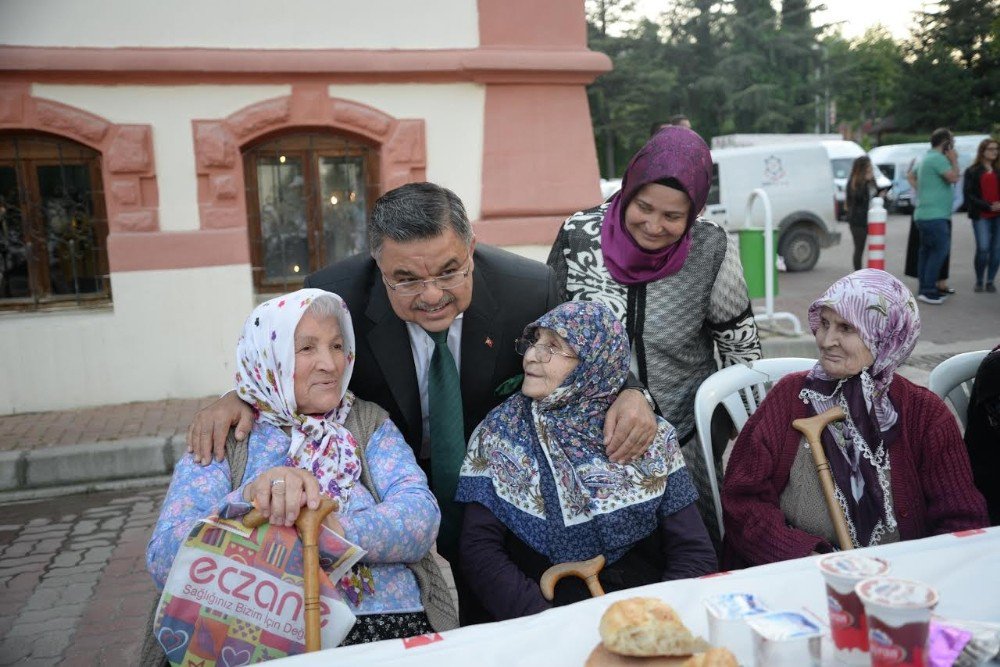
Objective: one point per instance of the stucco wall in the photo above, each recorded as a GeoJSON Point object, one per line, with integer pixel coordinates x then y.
{"type": "Point", "coordinates": [169, 334]}
{"type": "Point", "coordinates": [263, 24]}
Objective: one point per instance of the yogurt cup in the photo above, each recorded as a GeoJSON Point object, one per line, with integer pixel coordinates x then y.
{"type": "Point", "coordinates": [785, 639]}
{"type": "Point", "coordinates": [727, 614]}
{"type": "Point", "coordinates": [899, 615]}
{"type": "Point", "coordinates": [848, 626]}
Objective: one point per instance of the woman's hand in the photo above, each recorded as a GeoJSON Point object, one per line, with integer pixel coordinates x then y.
{"type": "Point", "coordinates": [207, 433]}
{"type": "Point", "coordinates": [279, 493]}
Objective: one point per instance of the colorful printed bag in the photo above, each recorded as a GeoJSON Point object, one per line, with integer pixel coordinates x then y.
{"type": "Point", "coordinates": [234, 597]}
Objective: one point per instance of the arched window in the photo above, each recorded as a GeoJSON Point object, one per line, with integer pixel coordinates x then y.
{"type": "Point", "coordinates": [308, 198]}
{"type": "Point", "coordinates": [53, 224]}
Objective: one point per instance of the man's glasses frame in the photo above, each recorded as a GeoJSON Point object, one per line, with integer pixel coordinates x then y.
{"type": "Point", "coordinates": [445, 281]}
{"type": "Point", "coordinates": [543, 352]}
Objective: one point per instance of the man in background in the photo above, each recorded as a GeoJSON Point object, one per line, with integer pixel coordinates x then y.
{"type": "Point", "coordinates": [932, 181]}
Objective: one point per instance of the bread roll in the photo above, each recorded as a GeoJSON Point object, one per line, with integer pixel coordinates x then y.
{"type": "Point", "coordinates": [716, 657]}
{"type": "Point", "coordinates": [646, 627]}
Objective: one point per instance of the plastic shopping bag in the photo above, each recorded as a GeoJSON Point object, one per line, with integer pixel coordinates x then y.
{"type": "Point", "coordinates": [234, 597]}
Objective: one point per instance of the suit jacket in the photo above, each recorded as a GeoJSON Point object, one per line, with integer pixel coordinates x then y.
{"type": "Point", "coordinates": [508, 292]}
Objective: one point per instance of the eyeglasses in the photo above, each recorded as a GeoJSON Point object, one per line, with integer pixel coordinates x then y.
{"type": "Point", "coordinates": [543, 352]}
{"type": "Point", "coordinates": [445, 281]}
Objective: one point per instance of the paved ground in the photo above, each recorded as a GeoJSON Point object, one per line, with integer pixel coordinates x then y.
{"type": "Point", "coordinates": [111, 422]}
{"type": "Point", "coordinates": [73, 584]}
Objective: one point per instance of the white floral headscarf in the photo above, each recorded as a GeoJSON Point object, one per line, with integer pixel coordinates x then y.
{"type": "Point", "coordinates": [265, 378]}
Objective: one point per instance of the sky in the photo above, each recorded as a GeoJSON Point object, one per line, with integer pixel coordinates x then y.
{"type": "Point", "coordinates": [857, 15]}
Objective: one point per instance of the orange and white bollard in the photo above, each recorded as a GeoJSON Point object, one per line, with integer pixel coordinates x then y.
{"type": "Point", "coordinates": [876, 234]}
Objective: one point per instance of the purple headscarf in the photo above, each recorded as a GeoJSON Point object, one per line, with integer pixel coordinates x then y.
{"type": "Point", "coordinates": [674, 152]}
{"type": "Point", "coordinates": [885, 315]}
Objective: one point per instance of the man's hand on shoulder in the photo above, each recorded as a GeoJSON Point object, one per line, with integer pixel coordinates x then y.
{"type": "Point", "coordinates": [630, 426]}
{"type": "Point", "coordinates": [207, 433]}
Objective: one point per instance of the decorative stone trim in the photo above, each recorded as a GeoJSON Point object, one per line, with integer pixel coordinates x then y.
{"type": "Point", "coordinates": [222, 204]}
{"type": "Point", "coordinates": [128, 169]}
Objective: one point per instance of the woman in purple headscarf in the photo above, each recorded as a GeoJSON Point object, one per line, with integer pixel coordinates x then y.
{"type": "Point", "coordinates": [674, 279]}
{"type": "Point", "coordinates": [899, 466]}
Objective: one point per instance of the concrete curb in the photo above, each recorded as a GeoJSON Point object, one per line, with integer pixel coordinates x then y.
{"type": "Point", "coordinates": [89, 463]}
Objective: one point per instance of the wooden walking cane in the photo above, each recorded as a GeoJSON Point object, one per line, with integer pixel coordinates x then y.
{"type": "Point", "coordinates": [812, 429]}
{"type": "Point", "coordinates": [308, 524]}
{"type": "Point", "coordinates": [585, 569]}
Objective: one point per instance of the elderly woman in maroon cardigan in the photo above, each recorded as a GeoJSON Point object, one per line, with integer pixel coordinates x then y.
{"type": "Point", "coordinates": [899, 465]}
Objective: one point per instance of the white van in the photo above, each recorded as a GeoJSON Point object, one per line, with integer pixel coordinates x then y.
{"type": "Point", "coordinates": [799, 182]}
{"type": "Point", "coordinates": [842, 156]}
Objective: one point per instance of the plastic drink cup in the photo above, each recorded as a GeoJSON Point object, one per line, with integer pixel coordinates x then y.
{"type": "Point", "coordinates": [848, 626]}
{"type": "Point", "coordinates": [727, 614]}
{"type": "Point", "coordinates": [899, 616]}
{"type": "Point", "coordinates": [785, 639]}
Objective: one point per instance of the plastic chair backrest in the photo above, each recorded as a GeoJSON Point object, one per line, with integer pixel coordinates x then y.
{"type": "Point", "coordinates": [731, 387]}
{"type": "Point", "coordinates": [952, 379]}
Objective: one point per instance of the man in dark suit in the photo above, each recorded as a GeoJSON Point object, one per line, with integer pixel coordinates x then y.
{"type": "Point", "coordinates": [429, 293]}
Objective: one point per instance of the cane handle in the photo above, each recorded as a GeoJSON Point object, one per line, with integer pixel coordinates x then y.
{"type": "Point", "coordinates": [586, 570]}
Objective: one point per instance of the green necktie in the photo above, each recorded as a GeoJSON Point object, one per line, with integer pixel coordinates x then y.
{"type": "Point", "coordinates": [447, 431]}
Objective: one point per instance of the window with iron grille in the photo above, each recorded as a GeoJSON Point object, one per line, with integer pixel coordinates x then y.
{"type": "Point", "coordinates": [53, 224]}
{"type": "Point", "coordinates": [308, 198]}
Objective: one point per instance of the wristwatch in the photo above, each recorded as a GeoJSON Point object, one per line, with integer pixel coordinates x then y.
{"type": "Point", "coordinates": [645, 394]}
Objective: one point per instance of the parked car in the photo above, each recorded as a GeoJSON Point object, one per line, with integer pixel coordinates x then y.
{"type": "Point", "coordinates": [798, 179]}
{"type": "Point", "coordinates": [842, 156]}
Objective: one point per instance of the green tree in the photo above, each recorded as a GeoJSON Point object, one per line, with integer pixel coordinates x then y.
{"type": "Point", "coordinates": [866, 78]}
{"type": "Point", "coordinates": [625, 101]}
{"type": "Point", "coordinates": [953, 64]}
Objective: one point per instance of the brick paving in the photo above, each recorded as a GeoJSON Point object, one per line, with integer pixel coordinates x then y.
{"type": "Point", "coordinates": [37, 430]}
{"type": "Point", "coordinates": [73, 582]}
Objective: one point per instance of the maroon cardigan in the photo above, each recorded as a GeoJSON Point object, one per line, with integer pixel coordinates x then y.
{"type": "Point", "coordinates": [932, 489]}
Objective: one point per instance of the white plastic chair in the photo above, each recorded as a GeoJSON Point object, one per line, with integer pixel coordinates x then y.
{"type": "Point", "coordinates": [952, 379]}
{"type": "Point", "coordinates": [731, 386]}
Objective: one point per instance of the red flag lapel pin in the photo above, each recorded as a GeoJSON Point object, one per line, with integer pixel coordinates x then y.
{"type": "Point", "coordinates": [489, 342]}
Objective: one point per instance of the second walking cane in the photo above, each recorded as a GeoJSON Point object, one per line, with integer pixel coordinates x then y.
{"type": "Point", "coordinates": [812, 429]}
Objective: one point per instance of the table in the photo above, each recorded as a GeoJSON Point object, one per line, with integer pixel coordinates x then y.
{"type": "Point", "coordinates": [963, 567]}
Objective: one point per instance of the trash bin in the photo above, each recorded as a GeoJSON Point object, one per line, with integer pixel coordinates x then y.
{"type": "Point", "coordinates": [752, 258]}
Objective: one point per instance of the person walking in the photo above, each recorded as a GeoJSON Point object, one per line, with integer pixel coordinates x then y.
{"type": "Point", "coordinates": [937, 172]}
{"type": "Point", "coordinates": [982, 195]}
{"type": "Point", "coordinates": [860, 190]}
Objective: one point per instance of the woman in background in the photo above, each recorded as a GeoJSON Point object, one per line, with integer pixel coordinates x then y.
{"type": "Point", "coordinates": [860, 190]}
{"type": "Point", "coordinates": [981, 188]}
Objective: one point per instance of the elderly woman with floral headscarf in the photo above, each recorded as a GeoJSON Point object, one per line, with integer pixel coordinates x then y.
{"type": "Point", "coordinates": [540, 489]}
{"type": "Point", "coordinates": [674, 279]}
{"type": "Point", "coordinates": [899, 466]}
{"type": "Point", "coordinates": [294, 361]}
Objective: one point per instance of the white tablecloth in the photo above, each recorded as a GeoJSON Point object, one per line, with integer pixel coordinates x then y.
{"type": "Point", "coordinates": [965, 570]}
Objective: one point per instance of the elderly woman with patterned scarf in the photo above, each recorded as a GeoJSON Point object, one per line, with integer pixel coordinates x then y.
{"type": "Point", "coordinates": [312, 437]}
{"type": "Point", "coordinates": [540, 489]}
{"type": "Point", "coordinates": [899, 466]}
{"type": "Point", "coordinates": [674, 279]}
